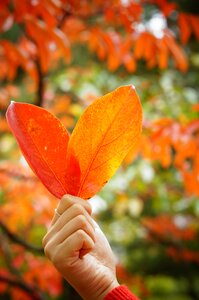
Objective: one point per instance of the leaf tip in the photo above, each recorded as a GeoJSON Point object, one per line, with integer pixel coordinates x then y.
{"type": "Point", "coordinates": [9, 106]}
{"type": "Point", "coordinates": [132, 86]}
{"type": "Point", "coordinates": [129, 86]}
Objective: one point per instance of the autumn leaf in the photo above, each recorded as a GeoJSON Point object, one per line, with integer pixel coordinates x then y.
{"type": "Point", "coordinates": [177, 53]}
{"type": "Point", "coordinates": [185, 28]}
{"type": "Point", "coordinates": [43, 141]}
{"type": "Point", "coordinates": [103, 136]}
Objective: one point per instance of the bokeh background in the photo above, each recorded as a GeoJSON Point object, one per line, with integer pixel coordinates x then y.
{"type": "Point", "coordinates": [62, 55]}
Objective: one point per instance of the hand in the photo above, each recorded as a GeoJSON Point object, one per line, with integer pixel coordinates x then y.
{"type": "Point", "coordinates": [79, 250]}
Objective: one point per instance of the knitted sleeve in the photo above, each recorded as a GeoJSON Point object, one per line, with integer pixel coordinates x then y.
{"type": "Point", "coordinates": [120, 293]}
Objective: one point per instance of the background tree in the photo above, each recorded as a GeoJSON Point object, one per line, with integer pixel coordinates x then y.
{"type": "Point", "coordinates": [63, 54]}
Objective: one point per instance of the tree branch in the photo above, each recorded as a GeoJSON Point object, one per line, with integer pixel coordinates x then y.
{"type": "Point", "coordinates": [7, 253]}
{"type": "Point", "coordinates": [16, 239]}
{"type": "Point", "coordinates": [64, 17]}
{"type": "Point", "coordinates": [35, 295]}
{"type": "Point", "coordinates": [40, 87]}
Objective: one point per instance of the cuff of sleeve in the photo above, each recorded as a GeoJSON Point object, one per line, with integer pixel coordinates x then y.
{"type": "Point", "coordinates": [121, 292]}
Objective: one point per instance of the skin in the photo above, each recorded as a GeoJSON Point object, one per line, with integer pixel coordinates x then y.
{"type": "Point", "coordinates": [79, 250]}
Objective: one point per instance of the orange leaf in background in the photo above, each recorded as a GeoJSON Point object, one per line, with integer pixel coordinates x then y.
{"type": "Point", "coordinates": [188, 25]}
{"type": "Point", "coordinates": [43, 37]}
{"type": "Point", "coordinates": [62, 42]}
{"type": "Point", "coordinates": [129, 62]}
{"type": "Point", "coordinates": [15, 57]}
{"type": "Point", "coordinates": [195, 107]}
{"type": "Point", "coordinates": [185, 29]}
{"type": "Point", "coordinates": [113, 43]}
{"type": "Point", "coordinates": [163, 54]}
{"type": "Point", "coordinates": [43, 140]}
{"type": "Point", "coordinates": [178, 53]}
{"type": "Point", "coordinates": [195, 25]}
{"type": "Point", "coordinates": [139, 48]}
{"type": "Point", "coordinates": [150, 47]}
{"type": "Point", "coordinates": [6, 20]}
{"type": "Point", "coordinates": [103, 136]}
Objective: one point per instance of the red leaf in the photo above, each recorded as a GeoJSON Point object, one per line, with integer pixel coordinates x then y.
{"type": "Point", "coordinates": [43, 141]}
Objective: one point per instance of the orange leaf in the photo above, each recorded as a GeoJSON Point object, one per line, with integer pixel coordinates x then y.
{"type": "Point", "coordinates": [163, 54]}
{"type": "Point", "coordinates": [103, 136]}
{"type": "Point", "coordinates": [178, 53]}
{"type": "Point", "coordinates": [184, 25]}
{"type": "Point", "coordinates": [150, 48]}
{"type": "Point", "coordinates": [129, 62]}
{"type": "Point", "coordinates": [194, 20]}
{"type": "Point", "coordinates": [43, 141]}
{"type": "Point", "coordinates": [113, 54]}
{"type": "Point", "coordinates": [62, 42]}
{"type": "Point", "coordinates": [139, 46]}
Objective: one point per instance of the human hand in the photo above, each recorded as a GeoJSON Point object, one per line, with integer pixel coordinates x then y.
{"type": "Point", "coordinates": [79, 250]}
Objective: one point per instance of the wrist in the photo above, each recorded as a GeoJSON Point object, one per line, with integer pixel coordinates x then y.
{"type": "Point", "coordinates": [99, 291]}
{"type": "Point", "coordinates": [106, 290]}
{"type": "Point", "coordinates": [97, 288]}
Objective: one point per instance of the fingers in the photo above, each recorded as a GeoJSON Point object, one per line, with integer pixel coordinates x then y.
{"type": "Point", "coordinates": [61, 231]}
{"type": "Point", "coordinates": [66, 202]}
{"type": "Point", "coordinates": [70, 213]}
{"type": "Point", "coordinates": [71, 232]}
{"type": "Point", "coordinates": [64, 255]}
{"type": "Point", "coordinates": [74, 211]}
{"type": "Point", "coordinates": [78, 242]}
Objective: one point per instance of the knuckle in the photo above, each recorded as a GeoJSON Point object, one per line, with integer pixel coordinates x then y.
{"type": "Point", "coordinates": [47, 250]}
{"type": "Point", "coordinates": [81, 220]}
{"type": "Point", "coordinates": [81, 234]}
{"type": "Point", "coordinates": [62, 204]}
{"type": "Point", "coordinates": [68, 199]}
{"type": "Point", "coordinates": [65, 202]}
{"type": "Point", "coordinates": [52, 254]}
{"type": "Point", "coordinates": [57, 260]}
{"type": "Point", "coordinates": [78, 208]}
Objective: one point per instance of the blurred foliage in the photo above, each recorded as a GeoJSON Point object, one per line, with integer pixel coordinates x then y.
{"type": "Point", "coordinates": [149, 210]}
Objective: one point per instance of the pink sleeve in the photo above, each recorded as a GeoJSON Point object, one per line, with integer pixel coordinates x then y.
{"type": "Point", "coordinates": [120, 293]}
